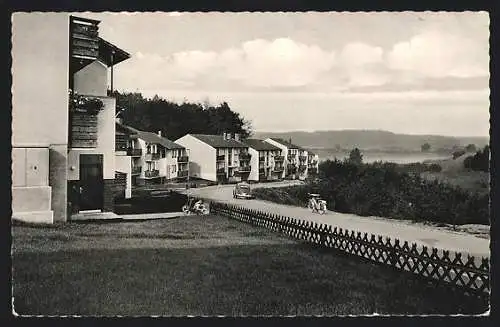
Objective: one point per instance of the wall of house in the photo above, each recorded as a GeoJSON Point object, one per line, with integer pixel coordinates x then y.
{"type": "Point", "coordinates": [40, 61]}
{"type": "Point", "coordinates": [92, 79]}
{"type": "Point", "coordinates": [254, 163]}
{"type": "Point", "coordinates": [284, 152]}
{"type": "Point", "coordinates": [201, 158]}
{"type": "Point", "coordinates": [105, 143]}
{"type": "Point", "coordinates": [124, 165]}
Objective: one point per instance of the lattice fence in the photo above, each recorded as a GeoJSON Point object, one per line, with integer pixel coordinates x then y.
{"type": "Point", "coordinates": [469, 275]}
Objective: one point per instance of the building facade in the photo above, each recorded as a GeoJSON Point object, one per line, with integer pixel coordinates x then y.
{"type": "Point", "coordinates": [153, 158]}
{"type": "Point", "coordinates": [65, 161]}
{"type": "Point", "coordinates": [217, 158]}
{"type": "Point", "coordinates": [266, 161]}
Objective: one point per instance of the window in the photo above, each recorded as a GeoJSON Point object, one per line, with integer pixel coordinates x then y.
{"type": "Point", "coordinates": [148, 149]}
{"type": "Point", "coordinates": [174, 153]}
{"type": "Point", "coordinates": [173, 168]}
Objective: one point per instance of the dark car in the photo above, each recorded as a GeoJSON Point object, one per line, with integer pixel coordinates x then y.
{"type": "Point", "coordinates": [242, 191]}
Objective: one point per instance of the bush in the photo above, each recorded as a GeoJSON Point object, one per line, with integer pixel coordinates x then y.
{"type": "Point", "coordinates": [381, 189]}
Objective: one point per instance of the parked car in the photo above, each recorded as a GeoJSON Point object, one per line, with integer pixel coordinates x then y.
{"type": "Point", "coordinates": [242, 191]}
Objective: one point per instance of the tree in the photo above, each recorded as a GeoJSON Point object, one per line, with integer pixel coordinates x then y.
{"type": "Point", "coordinates": [480, 161]}
{"type": "Point", "coordinates": [470, 148]}
{"type": "Point", "coordinates": [426, 147]}
{"type": "Point", "coordinates": [177, 120]}
{"type": "Point", "coordinates": [355, 157]}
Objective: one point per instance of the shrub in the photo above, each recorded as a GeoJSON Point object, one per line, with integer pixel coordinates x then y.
{"type": "Point", "coordinates": [381, 189]}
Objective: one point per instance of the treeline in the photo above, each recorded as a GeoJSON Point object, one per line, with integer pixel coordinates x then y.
{"type": "Point", "coordinates": [176, 120]}
{"type": "Point", "coordinates": [480, 161]}
{"type": "Point", "coordinates": [381, 190]}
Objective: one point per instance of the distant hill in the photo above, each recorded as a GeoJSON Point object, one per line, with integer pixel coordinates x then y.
{"type": "Point", "coordinates": [373, 140]}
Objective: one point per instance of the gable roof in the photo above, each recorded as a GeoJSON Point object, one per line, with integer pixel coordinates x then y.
{"type": "Point", "coordinates": [217, 141]}
{"type": "Point", "coordinates": [151, 137]}
{"type": "Point", "coordinates": [285, 143]}
{"type": "Point", "coordinates": [157, 139]}
{"type": "Point", "coordinates": [260, 145]}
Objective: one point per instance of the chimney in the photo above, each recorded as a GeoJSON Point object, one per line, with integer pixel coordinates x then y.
{"type": "Point", "coordinates": [224, 135]}
{"type": "Point", "coordinates": [159, 133]}
{"type": "Point", "coordinates": [237, 136]}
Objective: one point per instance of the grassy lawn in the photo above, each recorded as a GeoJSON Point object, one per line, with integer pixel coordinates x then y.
{"type": "Point", "coordinates": [204, 266]}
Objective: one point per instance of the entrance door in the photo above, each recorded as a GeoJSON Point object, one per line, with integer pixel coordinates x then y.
{"type": "Point", "coordinates": [91, 182]}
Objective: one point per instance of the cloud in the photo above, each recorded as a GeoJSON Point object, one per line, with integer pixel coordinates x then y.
{"type": "Point", "coordinates": [435, 54]}
{"type": "Point", "coordinates": [284, 63]}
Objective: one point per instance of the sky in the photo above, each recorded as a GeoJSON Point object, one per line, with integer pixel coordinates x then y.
{"type": "Point", "coordinates": [414, 73]}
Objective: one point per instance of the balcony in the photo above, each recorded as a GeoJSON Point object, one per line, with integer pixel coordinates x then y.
{"type": "Point", "coordinates": [221, 171]}
{"type": "Point", "coordinates": [302, 158]}
{"type": "Point", "coordinates": [134, 152]}
{"type": "Point", "coordinates": [151, 173]}
{"type": "Point", "coordinates": [244, 169]}
{"type": "Point", "coordinates": [83, 130]}
{"type": "Point", "coordinates": [221, 158]}
{"type": "Point", "coordinates": [136, 170]}
{"type": "Point", "coordinates": [279, 158]}
{"type": "Point", "coordinates": [245, 156]}
{"type": "Point", "coordinates": [182, 173]}
{"type": "Point", "coordinates": [278, 169]}
{"type": "Point", "coordinates": [152, 156]}
{"type": "Point", "coordinates": [183, 159]}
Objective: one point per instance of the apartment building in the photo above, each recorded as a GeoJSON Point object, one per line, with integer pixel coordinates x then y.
{"type": "Point", "coordinates": [128, 155]}
{"type": "Point", "coordinates": [63, 162]}
{"type": "Point", "coordinates": [312, 163]}
{"type": "Point", "coordinates": [266, 161]}
{"type": "Point", "coordinates": [217, 158]}
{"type": "Point", "coordinates": [291, 157]}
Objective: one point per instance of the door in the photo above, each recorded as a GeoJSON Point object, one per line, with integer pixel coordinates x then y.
{"type": "Point", "coordinates": [91, 182]}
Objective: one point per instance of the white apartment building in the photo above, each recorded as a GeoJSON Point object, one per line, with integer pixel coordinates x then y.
{"type": "Point", "coordinates": [217, 158]}
{"type": "Point", "coordinates": [266, 162]}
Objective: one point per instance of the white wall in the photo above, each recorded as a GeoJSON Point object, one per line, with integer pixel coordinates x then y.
{"type": "Point", "coordinates": [92, 79]}
{"type": "Point", "coordinates": [40, 61]}
{"type": "Point", "coordinates": [105, 143]}
{"type": "Point", "coordinates": [254, 163]}
{"type": "Point", "coordinates": [201, 158]}
{"type": "Point", "coordinates": [284, 152]}
{"type": "Point", "coordinates": [124, 165]}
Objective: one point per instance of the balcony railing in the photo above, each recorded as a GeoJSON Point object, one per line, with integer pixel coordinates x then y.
{"type": "Point", "coordinates": [221, 171]}
{"type": "Point", "coordinates": [152, 156]}
{"type": "Point", "coordinates": [262, 171]}
{"type": "Point", "coordinates": [83, 130]}
{"type": "Point", "coordinates": [183, 159]}
{"type": "Point", "coordinates": [151, 173]}
{"type": "Point", "coordinates": [244, 169]}
{"type": "Point", "coordinates": [278, 168]}
{"type": "Point", "coordinates": [279, 158]}
{"type": "Point", "coordinates": [221, 157]}
{"type": "Point", "coordinates": [182, 173]}
{"type": "Point", "coordinates": [262, 159]}
{"type": "Point", "coordinates": [245, 156]}
{"type": "Point", "coordinates": [134, 152]}
{"type": "Point", "coordinates": [136, 170]}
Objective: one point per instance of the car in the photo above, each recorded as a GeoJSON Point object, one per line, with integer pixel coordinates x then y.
{"type": "Point", "coordinates": [242, 191]}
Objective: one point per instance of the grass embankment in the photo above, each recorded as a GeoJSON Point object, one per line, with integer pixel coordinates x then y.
{"type": "Point", "coordinates": [205, 266]}
{"type": "Point", "coordinates": [387, 190]}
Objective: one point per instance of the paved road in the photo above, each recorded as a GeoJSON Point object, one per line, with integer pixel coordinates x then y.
{"type": "Point", "coordinates": [404, 231]}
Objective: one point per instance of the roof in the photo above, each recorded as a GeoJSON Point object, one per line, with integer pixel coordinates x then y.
{"type": "Point", "coordinates": [217, 141]}
{"type": "Point", "coordinates": [286, 143]}
{"type": "Point", "coordinates": [151, 137]}
{"type": "Point", "coordinates": [260, 145]}
{"type": "Point", "coordinates": [110, 54]}
{"type": "Point", "coordinates": [124, 130]}
{"type": "Point", "coordinates": [157, 139]}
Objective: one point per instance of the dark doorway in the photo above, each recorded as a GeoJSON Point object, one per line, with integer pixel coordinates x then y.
{"type": "Point", "coordinates": [91, 182]}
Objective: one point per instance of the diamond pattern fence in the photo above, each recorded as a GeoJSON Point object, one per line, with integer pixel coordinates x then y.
{"type": "Point", "coordinates": [469, 275]}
